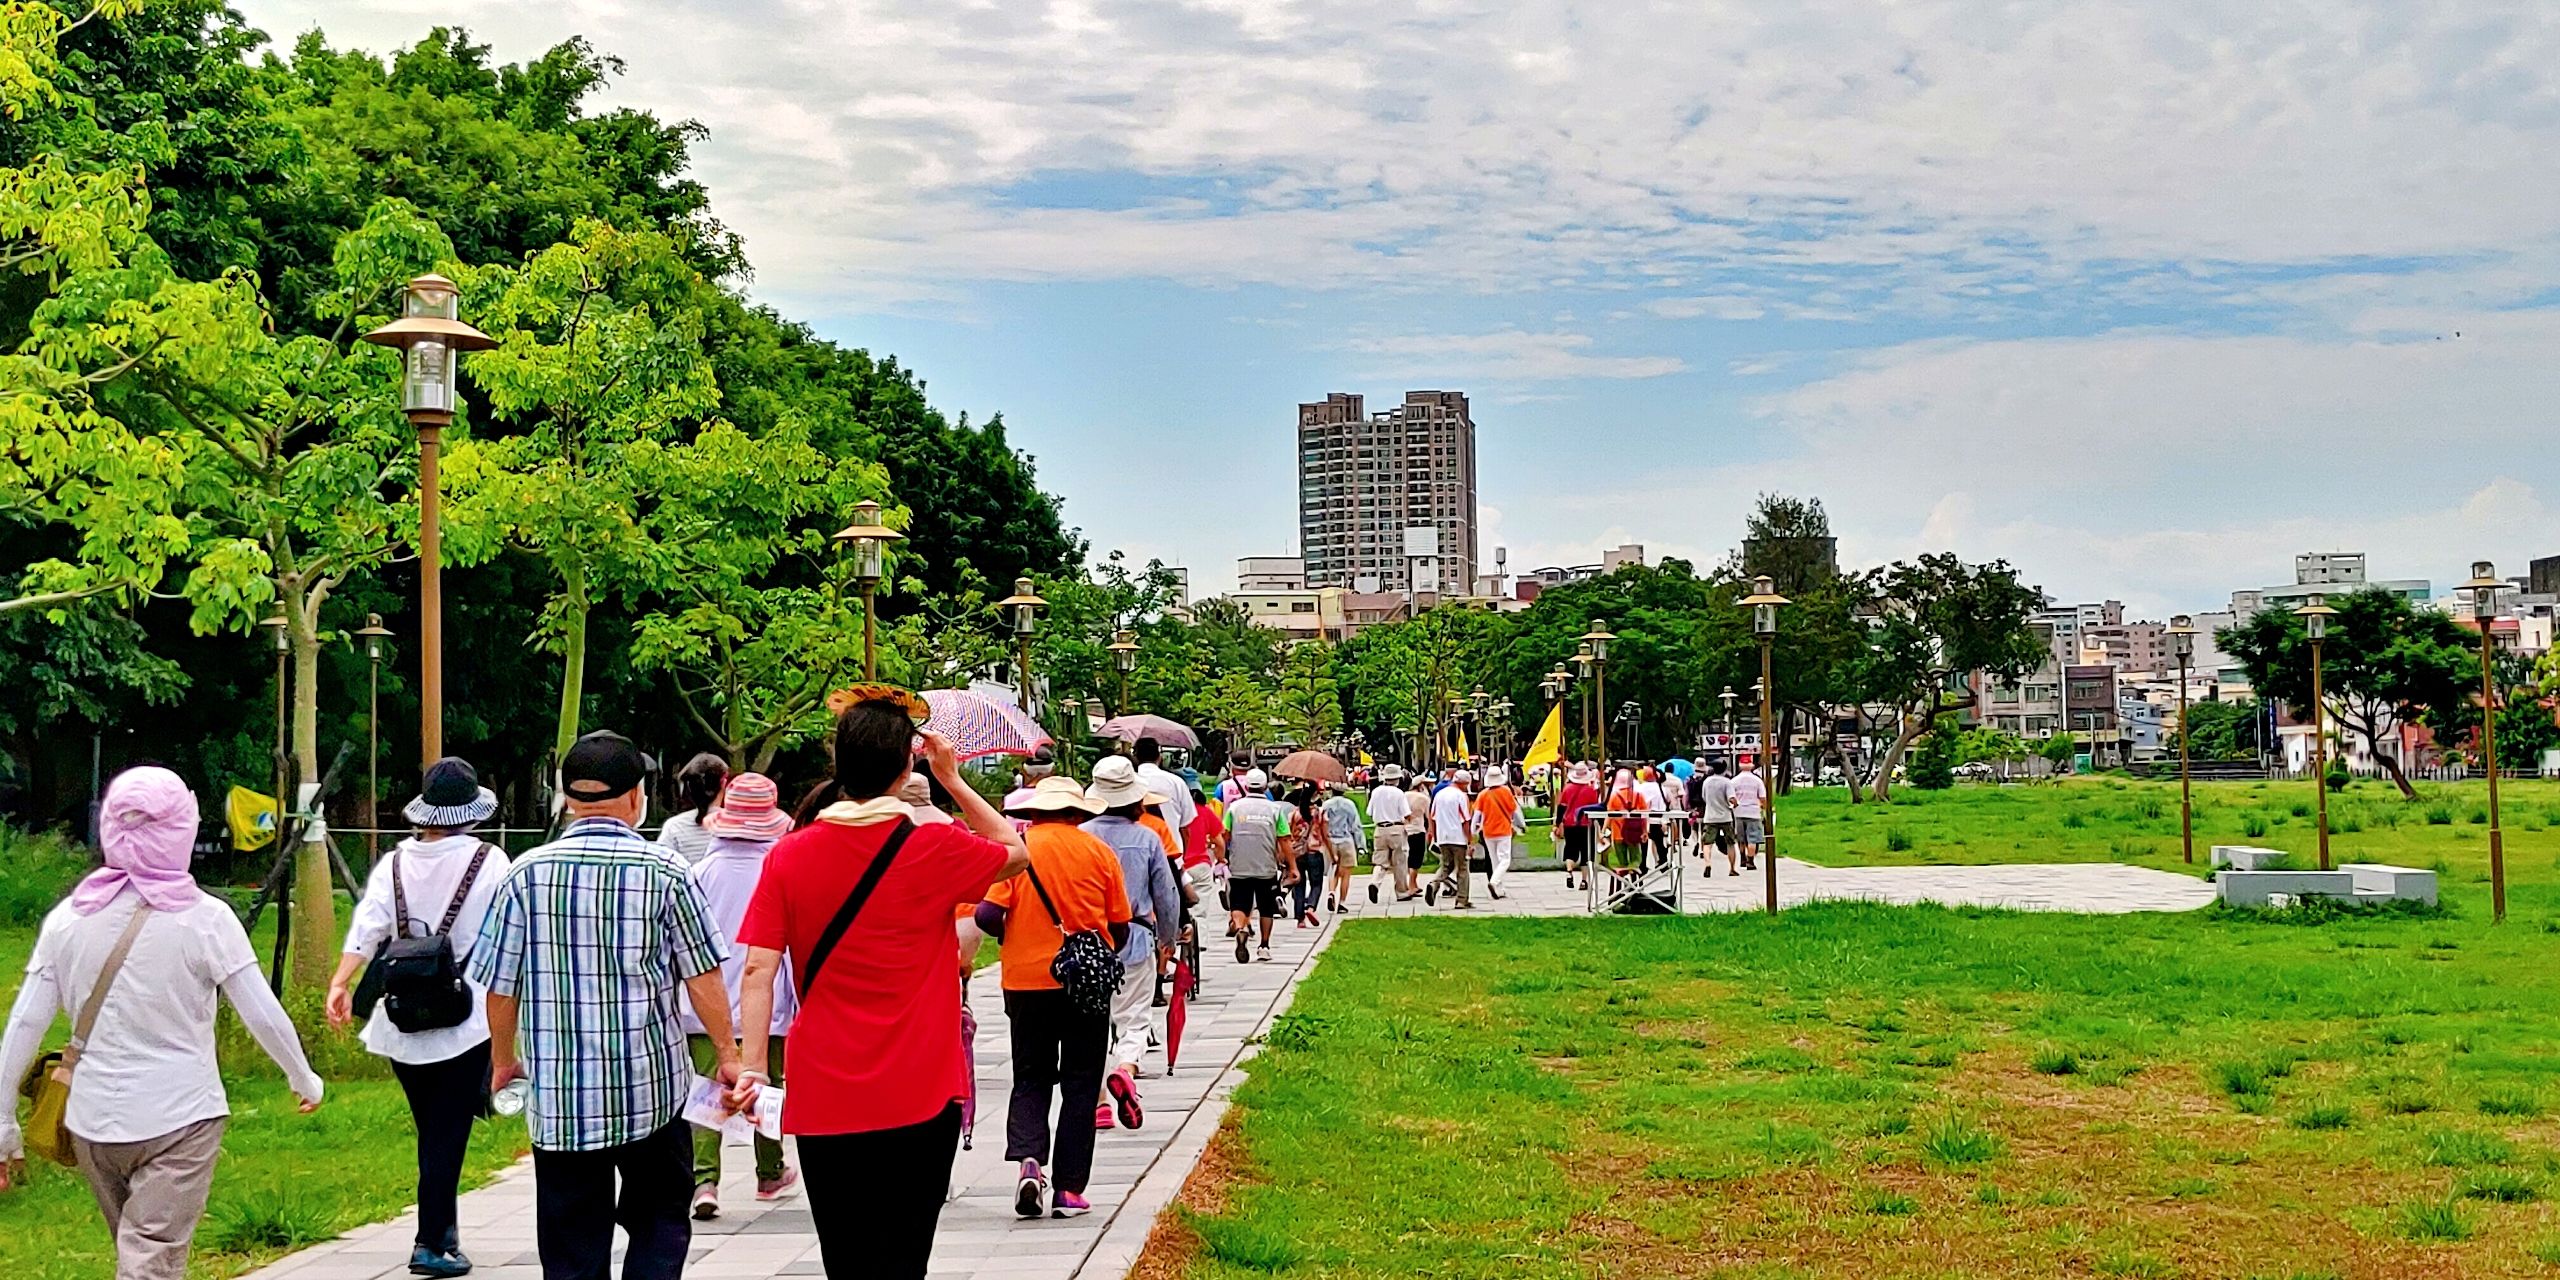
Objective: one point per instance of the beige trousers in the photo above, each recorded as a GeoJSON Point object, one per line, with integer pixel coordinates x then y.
{"type": "Point", "coordinates": [152, 1193]}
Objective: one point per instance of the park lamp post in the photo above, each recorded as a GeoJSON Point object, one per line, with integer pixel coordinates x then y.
{"type": "Point", "coordinates": [374, 634]}
{"type": "Point", "coordinates": [1124, 658]}
{"type": "Point", "coordinates": [1597, 640]}
{"type": "Point", "coordinates": [2315, 614]}
{"type": "Point", "coordinates": [2484, 585]}
{"type": "Point", "coordinates": [870, 540]}
{"type": "Point", "coordinates": [1727, 698]}
{"type": "Point", "coordinates": [431, 337]}
{"type": "Point", "coordinates": [2182, 645]}
{"type": "Point", "coordinates": [1764, 602]}
{"type": "Point", "coordinates": [1022, 612]}
{"type": "Point", "coordinates": [274, 625]}
{"type": "Point", "coordinates": [1582, 663]}
{"type": "Point", "coordinates": [1501, 711]}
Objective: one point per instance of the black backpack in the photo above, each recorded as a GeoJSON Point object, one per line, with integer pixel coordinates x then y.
{"type": "Point", "coordinates": [417, 979]}
{"type": "Point", "coordinates": [1087, 965]}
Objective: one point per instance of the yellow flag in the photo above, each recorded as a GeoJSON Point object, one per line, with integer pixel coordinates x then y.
{"type": "Point", "coordinates": [1549, 745]}
{"type": "Point", "coordinates": [1463, 753]}
{"type": "Point", "coordinates": [253, 819]}
{"type": "Point", "coordinates": [1366, 760]}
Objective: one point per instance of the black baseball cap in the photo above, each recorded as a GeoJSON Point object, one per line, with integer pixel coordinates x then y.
{"type": "Point", "coordinates": [602, 766]}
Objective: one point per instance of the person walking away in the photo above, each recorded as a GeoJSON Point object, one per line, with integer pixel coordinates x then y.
{"type": "Point", "coordinates": [134, 956]}
{"type": "Point", "coordinates": [1155, 903]}
{"type": "Point", "coordinates": [1233, 787]}
{"type": "Point", "coordinates": [879, 1066]}
{"type": "Point", "coordinates": [1750, 811]}
{"type": "Point", "coordinates": [1202, 842]}
{"type": "Point", "coordinates": [1628, 825]}
{"type": "Point", "coordinates": [1388, 808]}
{"type": "Point", "coordinates": [743, 830]}
{"type": "Point", "coordinates": [1306, 817]}
{"type": "Point", "coordinates": [698, 787]}
{"type": "Point", "coordinates": [1417, 833]}
{"type": "Point", "coordinates": [586, 951]}
{"type": "Point", "coordinates": [1715, 816]}
{"type": "Point", "coordinates": [1072, 886]}
{"type": "Point", "coordinates": [1574, 803]}
{"type": "Point", "coordinates": [1656, 806]}
{"type": "Point", "coordinates": [1257, 860]}
{"type": "Point", "coordinates": [1498, 817]}
{"type": "Point", "coordinates": [1039, 764]}
{"type": "Point", "coordinates": [1453, 824]}
{"type": "Point", "coordinates": [437, 883]}
{"type": "Point", "coordinates": [1179, 812]}
{"type": "Point", "coordinates": [1343, 840]}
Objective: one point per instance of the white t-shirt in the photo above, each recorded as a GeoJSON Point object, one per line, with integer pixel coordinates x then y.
{"type": "Point", "coordinates": [429, 873]}
{"type": "Point", "coordinates": [1715, 798]}
{"type": "Point", "coordinates": [1651, 790]}
{"type": "Point", "coordinates": [1748, 793]}
{"type": "Point", "coordinates": [1387, 804]}
{"type": "Point", "coordinates": [1451, 815]}
{"type": "Point", "coordinates": [149, 1068]}
{"type": "Point", "coordinates": [684, 834]}
{"type": "Point", "coordinates": [1179, 810]}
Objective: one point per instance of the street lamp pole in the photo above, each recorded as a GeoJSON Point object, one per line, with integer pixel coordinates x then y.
{"type": "Point", "coordinates": [2315, 615]}
{"type": "Point", "coordinates": [870, 539]}
{"type": "Point", "coordinates": [374, 634]}
{"type": "Point", "coordinates": [1023, 608]}
{"type": "Point", "coordinates": [1124, 655]}
{"type": "Point", "coordinates": [431, 337]}
{"type": "Point", "coordinates": [2182, 642]}
{"type": "Point", "coordinates": [1598, 639]}
{"type": "Point", "coordinates": [1763, 602]}
{"type": "Point", "coordinates": [275, 626]}
{"type": "Point", "coordinates": [2484, 584]}
{"type": "Point", "coordinates": [1582, 663]}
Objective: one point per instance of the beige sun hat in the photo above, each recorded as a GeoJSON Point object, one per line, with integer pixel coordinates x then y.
{"type": "Point", "coordinates": [1116, 782]}
{"type": "Point", "coordinates": [1056, 793]}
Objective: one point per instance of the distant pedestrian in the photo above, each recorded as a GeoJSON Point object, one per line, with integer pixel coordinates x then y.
{"type": "Point", "coordinates": [1417, 832]}
{"type": "Point", "coordinates": [1574, 803]}
{"type": "Point", "coordinates": [1149, 756]}
{"type": "Point", "coordinates": [1498, 818]}
{"type": "Point", "coordinates": [1750, 814]}
{"type": "Point", "coordinates": [880, 1071]}
{"type": "Point", "coordinates": [1306, 888]}
{"type": "Point", "coordinates": [135, 955]}
{"type": "Point", "coordinates": [1155, 904]}
{"type": "Point", "coordinates": [698, 787]}
{"type": "Point", "coordinates": [1258, 860]}
{"type": "Point", "coordinates": [1039, 764]}
{"type": "Point", "coordinates": [1073, 886]}
{"type": "Point", "coordinates": [1343, 841]}
{"type": "Point", "coordinates": [438, 883]}
{"type": "Point", "coordinates": [743, 830]}
{"type": "Point", "coordinates": [1453, 828]}
{"type": "Point", "coordinates": [1388, 854]}
{"type": "Point", "coordinates": [587, 950]}
{"type": "Point", "coordinates": [1715, 816]}
{"type": "Point", "coordinates": [1628, 825]}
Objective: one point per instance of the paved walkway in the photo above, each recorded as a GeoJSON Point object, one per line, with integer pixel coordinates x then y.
{"type": "Point", "coordinates": [1137, 1174]}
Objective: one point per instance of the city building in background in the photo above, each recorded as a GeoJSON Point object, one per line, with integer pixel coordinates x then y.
{"type": "Point", "coordinates": [1307, 613]}
{"type": "Point", "coordinates": [1368, 482]}
{"type": "Point", "coordinates": [2333, 573]}
{"type": "Point", "coordinates": [1271, 573]}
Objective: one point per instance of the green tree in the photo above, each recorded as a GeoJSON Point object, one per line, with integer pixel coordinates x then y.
{"type": "Point", "coordinates": [2060, 751]}
{"type": "Point", "coordinates": [1936, 620]}
{"type": "Point", "coordinates": [1309, 701]}
{"type": "Point", "coordinates": [2384, 663]}
{"type": "Point", "coordinates": [1933, 766]}
{"type": "Point", "coordinates": [2224, 730]}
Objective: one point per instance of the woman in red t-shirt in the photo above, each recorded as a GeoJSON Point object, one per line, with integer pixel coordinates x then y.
{"type": "Point", "coordinates": [1573, 818]}
{"type": "Point", "coordinates": [876, 1066]}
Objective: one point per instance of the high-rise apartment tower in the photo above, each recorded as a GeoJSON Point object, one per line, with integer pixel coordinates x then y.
{"type": "Point", "coordinates": [1365, 479]}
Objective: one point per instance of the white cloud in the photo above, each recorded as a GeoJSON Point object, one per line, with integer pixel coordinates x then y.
{"type": "Point", "coordinates": [1508, 355]}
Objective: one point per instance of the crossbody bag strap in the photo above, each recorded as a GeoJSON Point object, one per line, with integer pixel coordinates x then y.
{"type": "Point", "coordinates": [88, 1019]}
{"type": "Point", "coordinates": [462, 891]}
{"type": "Point", "coordinates": [853, 904]}
{"type": "Point", "coordinates": [1043, 891]}
{"type": "Point", "coordinates": [399, 898]}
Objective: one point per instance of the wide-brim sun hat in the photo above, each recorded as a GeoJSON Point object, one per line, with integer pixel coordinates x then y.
{"type": "Point", "coordinates": [1116, 783]}
{"type": "Point", "coordinates": [450, 795]}
{"type": "Point", "coordinates": [1056, 794]}
{"type": "Point", "coordinates": [750, 808]}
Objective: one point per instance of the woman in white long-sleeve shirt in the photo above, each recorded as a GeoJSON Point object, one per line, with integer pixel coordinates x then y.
{"type": "Point", "coordinates": [147, 1106]}
{"type": "Point", "coordinates": [444, 1072]}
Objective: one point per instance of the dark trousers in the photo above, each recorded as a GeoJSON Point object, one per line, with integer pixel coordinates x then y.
{"type": "Point", "coordinates": [444, 1098]}
{"type": "Point", "coordinates": [1310, 887]}
{"type": "Point", "coordinates": [877, 1196]}
{"type": "Point", "coordinates": [576, 1207]}
{"type": "Point", "coordinates": [1056, 1048]}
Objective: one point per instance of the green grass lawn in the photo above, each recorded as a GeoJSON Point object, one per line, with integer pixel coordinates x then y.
{"type": "Point", "coordinates": [286, 1179]}
{"type": "Point", "coordinates": [1859, 1091]}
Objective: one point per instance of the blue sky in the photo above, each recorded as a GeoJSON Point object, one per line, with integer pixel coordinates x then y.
{"type": "Point", "coordinates": [2145, 298]}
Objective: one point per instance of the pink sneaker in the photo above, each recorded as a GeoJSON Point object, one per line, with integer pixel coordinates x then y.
{"type": "Point", "coordinates": [1124, 1098]}
{"type": "Point", "coordinates": [1102, 1116]}
{"type": "Point", "coordinates": [1070, 1205]}
{"type": "Point", "coordinates": [776, 1188]}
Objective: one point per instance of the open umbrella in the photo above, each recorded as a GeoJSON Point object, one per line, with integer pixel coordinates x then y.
{"type": "Point", "coordinates": [1130, 728]}
{"type": "Point", "coordinates": [1311, 766]}
{"type": "Point", "coordinates": [1681, 767]}
{"type": "Point", "coordinates": [982, 726]}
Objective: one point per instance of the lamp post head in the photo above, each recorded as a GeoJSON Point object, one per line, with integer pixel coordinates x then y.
{"type": "Point", "coordinates": [430, 333]}
{"type": "Point", "coordinates": [2484, 587]}
{"type": "Point", "coordinates": [374, 634]}
{"type": "Point", "coordinates": [1480, 698]}
{"type": "Point", "coordinates": [1728, 697]}
{"type": "Point", "coordinates": [1124, 651]}
{"type": "Point", "coordinates": [2182, 637]}
{"type": "Point", "coordinates": [1583, 658]}
{"type": "Point", "coordinates": [1598, 638]}
{"type": "Point", "coordinates": [1023, 607]}
{"type": "Point", "coordinates": [870, 539]}
{"type": "Point", "coordinates": [1764, 601]}
{"type": "Point", "coordinates": [2315, 614]}
{"type": "Point", "coordinates": [274, 625]}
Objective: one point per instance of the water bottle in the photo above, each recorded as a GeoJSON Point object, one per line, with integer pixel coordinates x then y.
{"type": "Point", "coordinates": [510, 1101]}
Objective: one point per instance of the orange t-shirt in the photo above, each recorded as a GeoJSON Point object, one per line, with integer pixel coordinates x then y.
{"type": "Point", "coordinates": [1163, 832]}
{"type": "Point", "coordinates": [1500, 811]}
{"type": "Point", "coordinates": [1082, 876]}
{"type": "Point", "coordinates": [1628, 830]}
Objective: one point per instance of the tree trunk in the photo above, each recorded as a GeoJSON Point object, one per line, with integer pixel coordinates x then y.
{"type": "Point", "coordinates": [314, 953]}
{"type": "Point", "coordinates": [573, 662]}
{"type": "Point", "coordinates": [2390, 762]}
{"type": "Point", "coordinates": [1910, 731]}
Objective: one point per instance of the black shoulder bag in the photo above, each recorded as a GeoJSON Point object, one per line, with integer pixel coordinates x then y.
{"type": "Point", "coordinates": [1087, 965]}
{"type": "Point", "coordinates": [853, 904]}
{"type": "Point", "coordinates": [420, 984]}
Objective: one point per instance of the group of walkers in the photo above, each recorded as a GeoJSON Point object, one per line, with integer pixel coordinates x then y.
{"type": "Point", "coordinates": [1652, 813]}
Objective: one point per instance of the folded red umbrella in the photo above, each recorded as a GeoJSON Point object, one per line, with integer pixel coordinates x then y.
{"type": "Point", "coordinates": [1175, 1014]}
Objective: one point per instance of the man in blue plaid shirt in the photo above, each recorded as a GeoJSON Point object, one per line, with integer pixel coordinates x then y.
{"type": "Point", "coordinates": [583, 950]}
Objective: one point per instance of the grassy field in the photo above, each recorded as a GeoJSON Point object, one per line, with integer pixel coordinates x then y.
{"type": "Point", "coordinates": [286, 1179]}
{"type": "Point", "coordinates": [1860, 1091]}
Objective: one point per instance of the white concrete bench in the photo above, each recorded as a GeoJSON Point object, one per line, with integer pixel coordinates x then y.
{"type": "Point", "coordinates": [2246, 857]}
{"type": "Point", "coordinates": [2253, 888]}
{"type": "Point", "coordinates": [2376, 881]}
